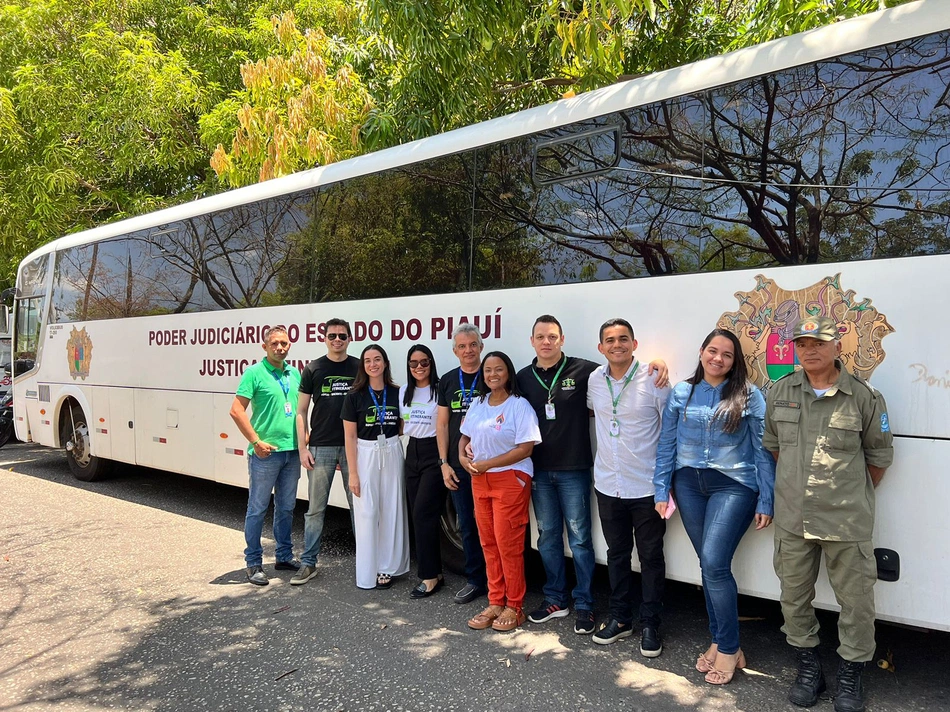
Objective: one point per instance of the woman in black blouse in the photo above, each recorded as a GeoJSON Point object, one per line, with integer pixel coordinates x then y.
{"type": "Point", "coordinates": [374, 456]}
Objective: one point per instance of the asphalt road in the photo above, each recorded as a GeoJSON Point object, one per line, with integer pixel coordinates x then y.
{"type": "Point", "coordinates": [129, 594]}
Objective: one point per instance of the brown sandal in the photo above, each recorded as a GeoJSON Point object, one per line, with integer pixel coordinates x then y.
{"type": "Point", "coordinates": [510, 619]}
{"type": "Point", "coordinates": [486, 618]}
{"type": "Point", "coordinates": [724, 677]}
{"type": "Point", "coordinates": [704, 663]}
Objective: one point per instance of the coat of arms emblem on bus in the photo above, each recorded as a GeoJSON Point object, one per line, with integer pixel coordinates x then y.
{"type": "Point", "coordinates": [79, 353]}
{"type": "Point", "coordinates": [767, 314]}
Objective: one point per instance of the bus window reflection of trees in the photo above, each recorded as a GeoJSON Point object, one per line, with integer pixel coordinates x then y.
{"type": "Point", "coordinates": [842, 160]}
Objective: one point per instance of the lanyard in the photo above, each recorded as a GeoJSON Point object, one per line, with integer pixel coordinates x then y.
{"type": "Point", "coordinates": [379, 418]}
{"type": "Point", "coordinates": [467, 397]}
{"type": "Point", "coordinates": [550, 389]}
{"type": "Point", "coordinates": [283, 386]}
{"type": "Point", "coordinates": [626, 382]}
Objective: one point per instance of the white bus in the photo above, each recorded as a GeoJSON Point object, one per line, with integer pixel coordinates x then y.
{"type": "Point", "coordinates": [809, 175]}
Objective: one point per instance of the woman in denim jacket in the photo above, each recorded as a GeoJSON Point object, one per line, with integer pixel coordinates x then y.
{"type": "Point", "coordinates": [711, 452]}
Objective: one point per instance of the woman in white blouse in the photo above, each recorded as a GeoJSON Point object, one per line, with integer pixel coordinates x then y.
{"type": "Point", "coordinates": [500, 432]}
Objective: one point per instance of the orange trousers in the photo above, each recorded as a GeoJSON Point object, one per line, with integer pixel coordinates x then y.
{"type": "Point", "coordinates": [501, 512]}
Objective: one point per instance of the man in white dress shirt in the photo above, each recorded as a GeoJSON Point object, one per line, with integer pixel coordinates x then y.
{"type": "Point", "coordinates": [628, 410]}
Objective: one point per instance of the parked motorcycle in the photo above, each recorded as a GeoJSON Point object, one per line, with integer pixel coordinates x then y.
{"type": "Point", "coordinates": [6, 419]}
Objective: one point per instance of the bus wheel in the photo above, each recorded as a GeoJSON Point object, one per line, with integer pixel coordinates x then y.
{"type": "Point", "coordinates": [84, 466]}
{"type": "Point", "coordinates": [453, 557]}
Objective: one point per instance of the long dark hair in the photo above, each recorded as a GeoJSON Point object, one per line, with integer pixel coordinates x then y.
{"type": "Point", "coordinates": [735, 394]}
{"type": "Point", "coordinates": [411, 380]}
{"type": "Point", "coordinates": [361, 382]}
{"type": "Point", "coordinates": [512, 385]}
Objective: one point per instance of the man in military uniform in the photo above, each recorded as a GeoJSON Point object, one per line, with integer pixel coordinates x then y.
{"type": "Point", "coordinates": [829, 433]}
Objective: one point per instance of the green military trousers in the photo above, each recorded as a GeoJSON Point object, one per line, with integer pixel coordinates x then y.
{"type": "Point", "coordinates": [852, 571]}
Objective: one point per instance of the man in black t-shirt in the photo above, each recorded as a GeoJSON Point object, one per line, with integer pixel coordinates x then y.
{"type": "Point", "coordinates": [556, 387]}
{"type": "Point", "coordinates": [325, 382]}
{"type": "Point", "coordinates": [457, 388]}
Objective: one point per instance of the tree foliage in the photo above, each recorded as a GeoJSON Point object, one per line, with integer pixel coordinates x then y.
{"type": "Point", "coordinates": [302, 106]}
{"type": "Point", "coordinates": [113, 109]}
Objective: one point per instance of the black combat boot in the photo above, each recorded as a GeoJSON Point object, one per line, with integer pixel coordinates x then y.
{"type": "Point", "coordinates": [850, 697]}
{"type": "Point", "coordinates": [810, 681]}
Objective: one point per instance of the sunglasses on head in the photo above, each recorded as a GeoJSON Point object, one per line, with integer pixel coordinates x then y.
{"type": "Point", "coordinates": [337, 337]}
{"type": "Point", "coordinates": [421, 363]}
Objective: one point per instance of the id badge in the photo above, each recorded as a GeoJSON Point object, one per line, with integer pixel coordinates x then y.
{"type": "Point", "coordinates": [614, 428]}
{"type": "Point", "coordinates": [381, 439]}
{"type": "Point", "coordinates": [549, 411]}
{"type": "Point", "coordinates": [288, 411]}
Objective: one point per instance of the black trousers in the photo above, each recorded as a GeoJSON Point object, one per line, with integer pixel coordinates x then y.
{"type": "Point", "coordinates": [624, 520]}
{"type": "Point", "coordinates": [427, 493]}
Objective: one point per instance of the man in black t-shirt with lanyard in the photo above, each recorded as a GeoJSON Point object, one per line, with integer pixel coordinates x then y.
{"type": "Point", "coordinates": [457, 388]}
{"type": "Point", "coordinates": [325, 381]}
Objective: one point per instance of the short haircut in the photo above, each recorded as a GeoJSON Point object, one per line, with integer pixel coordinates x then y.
{"type": "Point", "coordinates": [340, 322]}
{"type": "Point", "coordinates": [274, 330]}
{"type": "Point", "coordinates": [467, 329]}
{"type": "Point", "coordinates": [615, 322]}
{"type": "Point", "coordinates": [547, 319]}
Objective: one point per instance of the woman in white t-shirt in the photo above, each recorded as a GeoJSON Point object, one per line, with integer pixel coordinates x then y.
{"type": "Point", "coordinates": [500, 430]}
{"type": "Point", "coordinates": [424, 486]}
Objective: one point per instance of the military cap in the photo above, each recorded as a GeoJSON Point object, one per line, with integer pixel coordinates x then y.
{"type": "Point", "coordinates": [816, 327]}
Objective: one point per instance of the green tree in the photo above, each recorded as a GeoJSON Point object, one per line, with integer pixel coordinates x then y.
{"type": "Point", "coordinates": [301, 106]}
{"type": "Point", "coordinates": [457, 62]}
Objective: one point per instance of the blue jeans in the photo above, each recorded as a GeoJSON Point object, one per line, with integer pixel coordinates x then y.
{"type": "Point", "coordinates": [716, 512]}
{"type": "Point", "coordinates": [320, 478]}
{"type": "Point", "coordinates": [278, 472]}
{"type": "Point", "coordinates": [561, 497]}
{"type": "Point", "coordinates": [464, 504]}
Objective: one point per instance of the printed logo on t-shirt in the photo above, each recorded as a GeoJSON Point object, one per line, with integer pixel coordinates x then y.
{"type": "Point", "coordinates": [336, 385]}
{"type": "Point", "coordinates": [458, 403]}
{"type": "Point", "coordinates": [421, 413]}
{"type": "Point", "coordinates": [392, 415]}
{"type": "Point", "coordinates": [499, 421]}
{"type": "Point", "coordinates": [568, 384]}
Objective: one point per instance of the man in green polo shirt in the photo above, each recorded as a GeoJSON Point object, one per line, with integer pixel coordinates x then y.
{"type": "Point", "coordinates": [270, 387]}
{"type": "Point", "coordinates": [831, 438]}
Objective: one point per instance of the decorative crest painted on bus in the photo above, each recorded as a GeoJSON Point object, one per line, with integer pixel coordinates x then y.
{"type": "Point", "coordinates": [79, 353]}
{"type": "Point", "coordinates": [767, 315]}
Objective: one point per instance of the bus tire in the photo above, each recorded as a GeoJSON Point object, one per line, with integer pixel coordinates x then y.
{"type": "Point", "coordinates": [453, 556]}
{"type": "Point", "coordinates": [85, 466]}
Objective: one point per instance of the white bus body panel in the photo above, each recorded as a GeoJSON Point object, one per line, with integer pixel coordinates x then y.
{"type": "Point", "coordinates": [671, 315]}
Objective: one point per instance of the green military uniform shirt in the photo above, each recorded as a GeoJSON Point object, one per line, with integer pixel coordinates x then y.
{"type": "Point", "coordinates": [822, 486]}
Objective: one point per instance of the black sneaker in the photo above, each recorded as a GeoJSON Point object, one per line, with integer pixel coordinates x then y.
{"type": "Point", "coordinates": [650, 644]}
{"type": "Point", "coordinates": [584, 624]}
{"type": "Point", "coordinates": [289, 565]}
{"type": "Point", "coordinates": [612, 631]}
{"type": "Point", "coordinates": [256, 575]}
{"type": "Point", "coordinates": [547, 611]}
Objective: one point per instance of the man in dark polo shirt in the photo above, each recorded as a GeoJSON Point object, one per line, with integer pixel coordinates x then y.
{"type": "Point", "coordinates": [457, 388]}
{"type": "Point", "coordinates": [325, 382]}
{"type": "Point", "coordinates": [270, 387]}
{"type": "Point", "coordinates": [556, 386]}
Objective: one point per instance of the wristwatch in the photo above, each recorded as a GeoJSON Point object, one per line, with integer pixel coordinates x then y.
{"type": "Point", "coordinates": [443, 461]}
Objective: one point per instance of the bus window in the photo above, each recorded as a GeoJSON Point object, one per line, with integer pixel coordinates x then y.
{"type": "Point", "coordinates": [28, 320]}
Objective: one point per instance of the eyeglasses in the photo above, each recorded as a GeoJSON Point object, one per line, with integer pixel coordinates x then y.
{"type": "Point", "coordinates": [337, 337]}
{"type": "Point", "coordinates": [422, 363]}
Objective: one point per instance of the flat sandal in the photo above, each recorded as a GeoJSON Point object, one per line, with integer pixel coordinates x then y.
{"type": "Point", "coordinates": [485, 619]}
